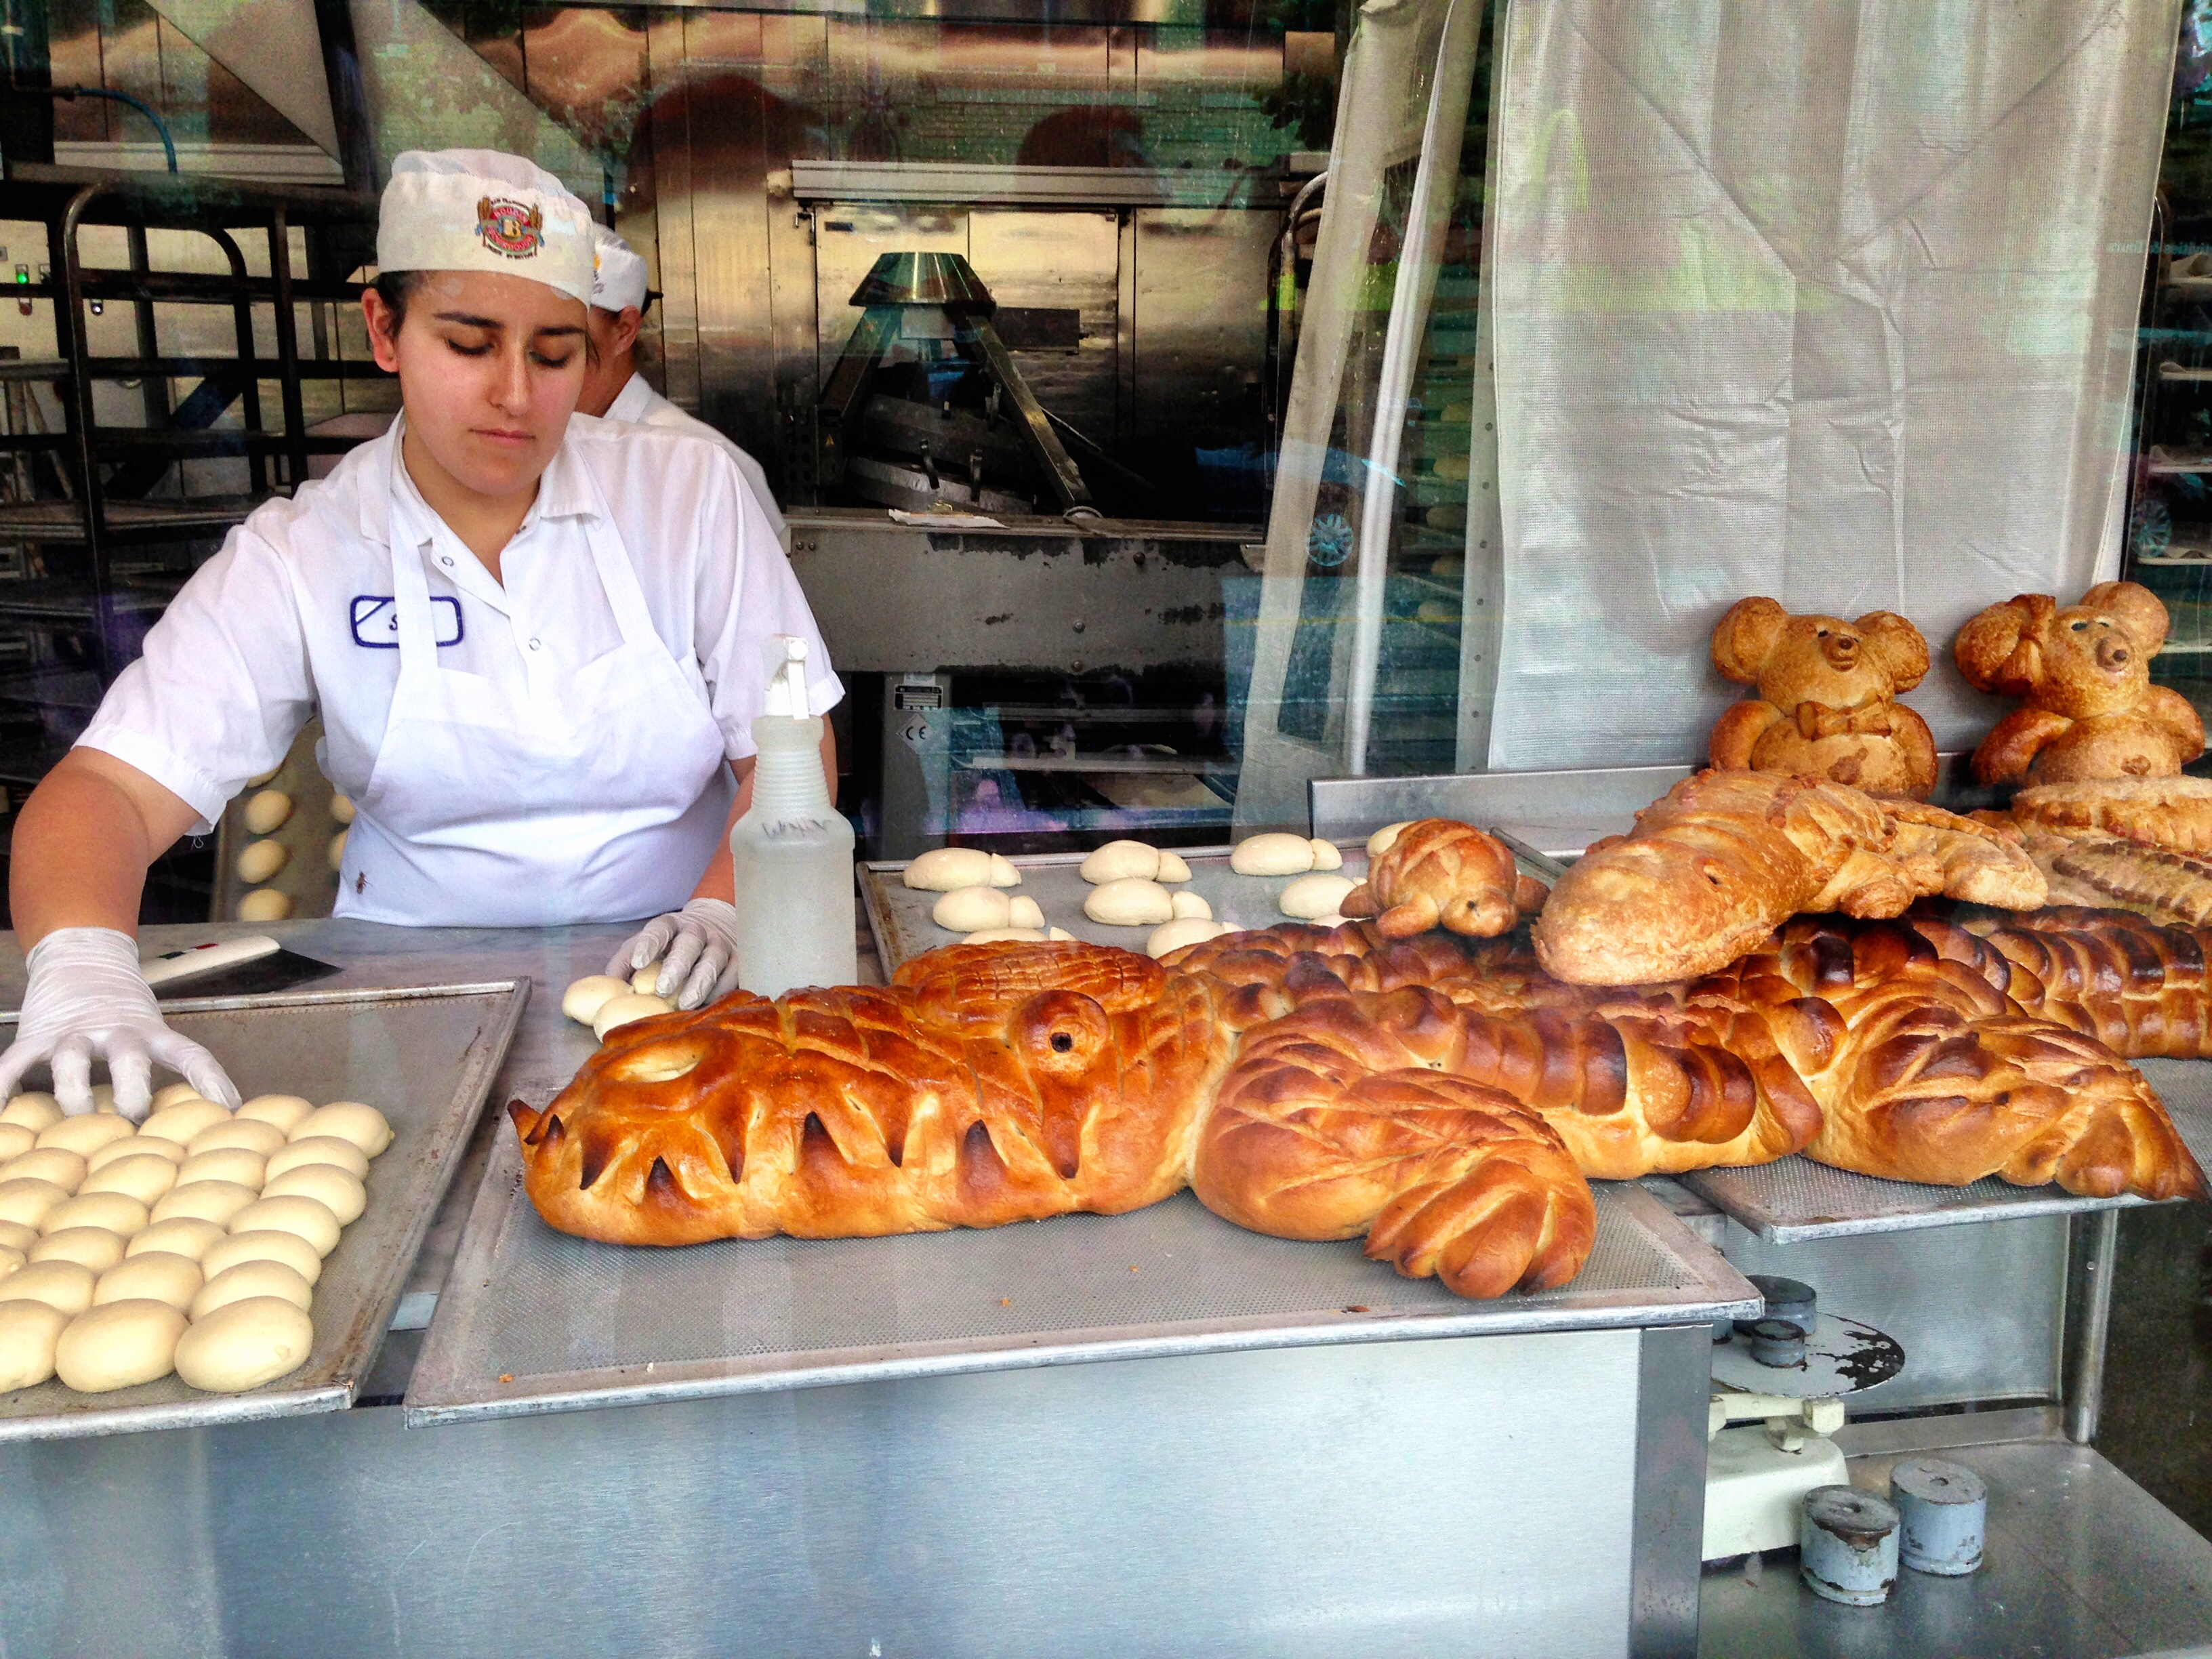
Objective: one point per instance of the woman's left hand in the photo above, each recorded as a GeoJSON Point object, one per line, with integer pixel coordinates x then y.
{"type": "Point", "coordinates": [696, 948]}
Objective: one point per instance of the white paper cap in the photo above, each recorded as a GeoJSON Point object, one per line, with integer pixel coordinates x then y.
{"type": "Point", "coordinates": [621, 280]}
{"type": "Point", "coordinates": [482, 210]}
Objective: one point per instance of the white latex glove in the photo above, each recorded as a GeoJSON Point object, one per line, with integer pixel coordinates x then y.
{"type": "Point", "coordinates": [696, 948]}
{"type": "Point", "coordinates": [86, 997]}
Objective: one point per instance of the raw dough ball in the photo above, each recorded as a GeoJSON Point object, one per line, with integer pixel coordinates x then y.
{"type": "Point", "coordinates": [189, 1236]}
{"type": "Point", "coordinates": [250, 1134]}
{"type": "Point", "coordinates": [15, 1235]}
{"type": "Point", "coordinates": [1190, 905]}
{"type": "Point", "coordinates": [157, 1276]}
{"type": "Point", "coordinates": [308, 1217]}
{"type": "Point", "coordinates": [95, 1248]}
{"type": "Point", "coordinates": [946, 869]}
{"type": "Point", "coordinates": [11, 1259]}
{"type": "Point", "coordinates": [66, 1169]}
{"type": "Point", "coordinates": [64, 1284]}
{"type": "Point", "coordinates": [224, 1163]}
{"type": "Point", "coordinates": [1129, 904]}
{"type": "Point", "coordinates": [181, 1122]}
{"type": "Point", "coordinates": [29, 1332]}
{"type": "Point", "coordinates": [141, 1176]}
{"type": "Point", "coordinates": [267, 811]}
{"type": "Point", "coordinates": [583, 1000]}
{"type": "Point", "coordinates": [260, 1278]}
{"type": "Point", "coordinates": [265, 777]}
{"type": "Point", "coordinates": [342, 809]}
{"type": "Point", "coordinates": [970, 910]}
{"type": "Point", "coordinates": [170, 1093]}
{"type": "Point", "coordinates": [1310, 897]}
{"type": "Point", "coordinates": [318, 1149]}
{"type": "Point", "coordinates": [1380, 841]}
{"type": "Point", "coordinates": [1184, 930]}
{"type": "Point", "coordinates": [138, 1146]}
{"type": "Point", "coordinates": [646, 980]}
{"type": "Point", "coordinates": [1025, 913]}
{"type": "Point", "coordinates": [1121, 860]}
{"type": "Point", "coordinates": [622, 1010]}
{"type": "Point", "coordinates": [15, 1140]}
{"type": "Point", "coordinates": [245, 1344]}
{"type": "Point", "coordinates": [119, 1212]}
{"type": "Point", "coordinates": [34, 1111]}
{"type": "Point", "coordinates": [334, 855]}
{"type": "Point", "coordinates": [118, 1345]}
{"type": "Point", "coordinates": [265, 1245]}
{"type": "Point", "coordinates": [88, 1134]}
{"type": "Point", "coordinates": [1005, 936]}
{"type": "Point", "coordinates": [1326, 854]}
{"type": "Point", "coordinates": [28, 1201]}
{"type": "Point", "coordinates": [341, 1194]}
{"type": "Point", "coordinates": [204, 1200]}
{"type": "Point", "coordinates": [264, 904]}
{"type": "Point", "coordinates": [1060, 935]}
{"type": "Point", "coordinates": [1172, 868]}
{"type": "Point", "coordinates": [285, 1111]}
{"type": "Point", "coordinates": [1272, 855]}
{"type": "Point", "coordinates": [262, 859]}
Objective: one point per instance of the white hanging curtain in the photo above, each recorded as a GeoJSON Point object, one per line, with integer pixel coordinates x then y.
{"type": "Point", "coordinates": [1832, 300]}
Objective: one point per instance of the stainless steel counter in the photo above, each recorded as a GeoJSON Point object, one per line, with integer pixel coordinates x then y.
{"type": "Point", "coordinates": [1526, 1492]}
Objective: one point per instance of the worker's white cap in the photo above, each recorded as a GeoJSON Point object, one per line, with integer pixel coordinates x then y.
{"type": "Point", "coordinates": [481, 210]}
{"type": "Point", "coordinates": [621, 280]}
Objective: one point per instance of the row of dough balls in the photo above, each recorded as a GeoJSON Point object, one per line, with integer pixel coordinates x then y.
{"type": "Point", "coordinates": [190, 1244]}
{"type": "Point", "coordinates": [604, 1002]}
{"type": "Point", "coordinates": [259, 861]}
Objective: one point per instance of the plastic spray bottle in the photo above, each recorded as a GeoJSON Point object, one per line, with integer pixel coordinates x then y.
{"type": "Point", "coordinates": [792, 853]}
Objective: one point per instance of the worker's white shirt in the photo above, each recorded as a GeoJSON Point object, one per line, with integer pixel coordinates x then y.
{"type": "Point", "coordinates": [639, 404]}
{"type": "Point", "coordinates": [297, 615]}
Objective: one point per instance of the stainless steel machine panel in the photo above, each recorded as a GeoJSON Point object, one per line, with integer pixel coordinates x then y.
{"type": "Point", "coordinates": [1979, 1308]}
{"type": "Point", "coordinates": [1058, 262]}
{"type": "Point", "coordinates": [425, 1059]}
{"type": "Point", "coordinates": [1487, 1497]}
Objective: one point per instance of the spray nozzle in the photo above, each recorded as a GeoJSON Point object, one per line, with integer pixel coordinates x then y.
{"type": "Point", "coordinates": [784, 657]}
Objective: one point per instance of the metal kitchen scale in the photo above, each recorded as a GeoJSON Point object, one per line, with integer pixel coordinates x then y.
{"type": "Point", "coordinates": [1780, 1384]}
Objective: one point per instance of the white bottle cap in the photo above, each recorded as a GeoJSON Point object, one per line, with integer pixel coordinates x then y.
{"type": "Point", "coordinates": [785, 656]}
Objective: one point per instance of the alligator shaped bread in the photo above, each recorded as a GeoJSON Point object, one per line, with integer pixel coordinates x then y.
{"type": "Point", "coordinates": [1444, 1098]}
{"type": "Point", "coordinates": [1722, 859]}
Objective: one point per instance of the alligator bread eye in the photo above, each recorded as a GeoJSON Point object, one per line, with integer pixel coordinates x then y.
{"type": "Point", "coordinates": [1061, 1042]}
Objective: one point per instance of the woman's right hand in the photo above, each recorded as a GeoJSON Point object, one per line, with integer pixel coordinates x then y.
{"type": "Point", "coordinates": [86, 997]}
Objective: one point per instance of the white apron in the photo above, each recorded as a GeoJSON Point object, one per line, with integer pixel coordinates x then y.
{"type": "Point", "coordinates": [599, 798]}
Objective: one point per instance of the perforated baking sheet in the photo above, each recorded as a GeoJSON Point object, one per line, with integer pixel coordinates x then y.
{"type": "Point", "coordinates": [425, 1058]}
{"type": "Point", "coordinates": [534, 1320]}
{"type": "Point", "coordinates": [1794, 1198]}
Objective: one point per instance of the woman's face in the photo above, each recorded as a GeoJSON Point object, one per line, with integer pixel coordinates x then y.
{"type": "Point", "coordinates": [489, 368]}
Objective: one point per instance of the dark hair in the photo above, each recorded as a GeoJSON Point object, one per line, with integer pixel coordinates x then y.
{"type": "Point", "coordinates": [395, 289]}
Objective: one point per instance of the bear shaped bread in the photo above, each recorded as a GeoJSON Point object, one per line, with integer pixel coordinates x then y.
{"type": "Point", "coordinates": [2091, 712]}
{"type": "Point", "coordinates": [1827, 698]}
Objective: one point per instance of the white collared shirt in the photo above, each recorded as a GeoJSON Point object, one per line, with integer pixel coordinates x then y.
{"type": "Point", "coordinates": [639, 404]}
{"type": "Point", "coordinates": [295, 615]}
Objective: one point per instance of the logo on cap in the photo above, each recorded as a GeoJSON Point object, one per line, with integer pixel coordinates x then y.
{"type": "Point", "coordinates": [510, 228]}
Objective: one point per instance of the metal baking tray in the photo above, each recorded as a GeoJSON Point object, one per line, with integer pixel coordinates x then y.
{"type": "Point", "coordinates": [1795, 1199]}
{"type": "Point", "coordinates": [898, 915]}
{"type": "Point", "coordinates": [534, 1320]}
{"type": "Point", "coordinates": [424, 1057]}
